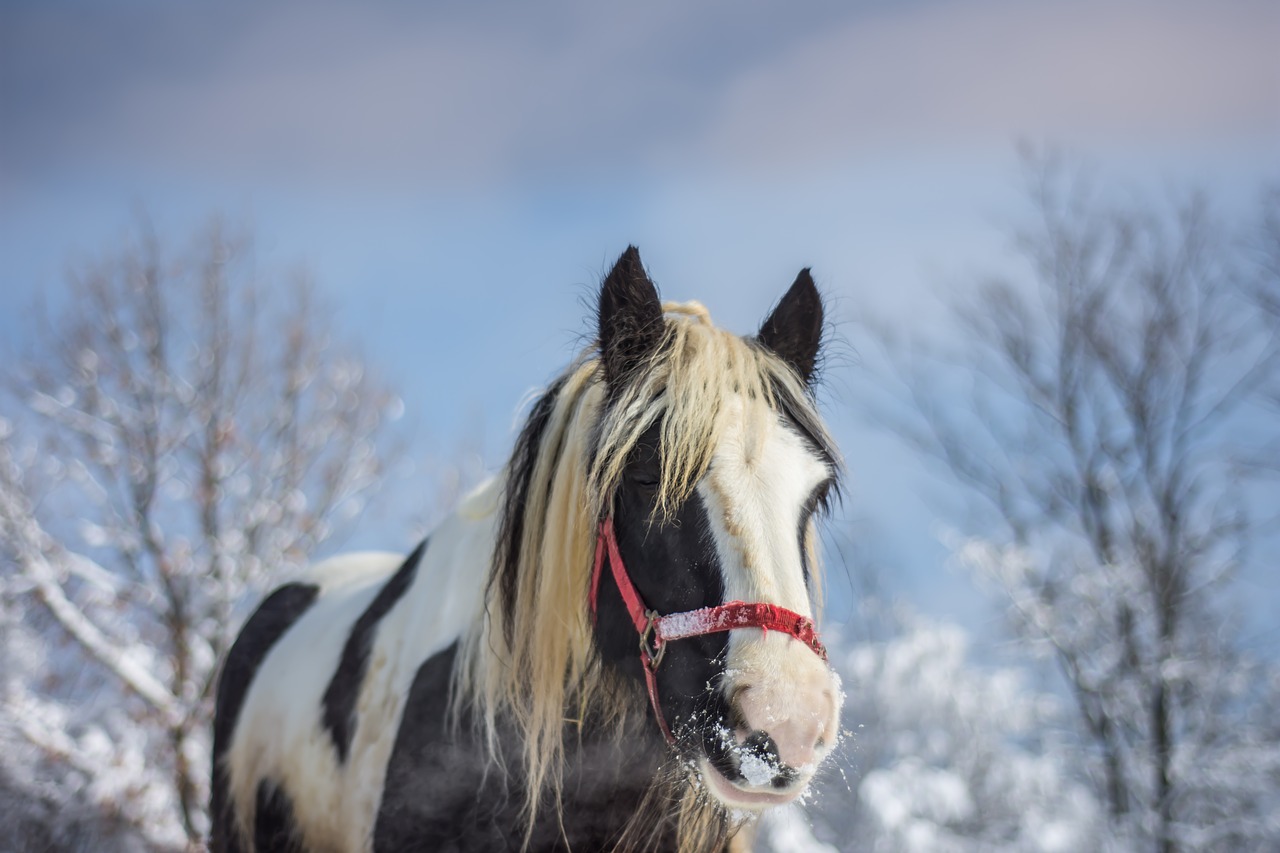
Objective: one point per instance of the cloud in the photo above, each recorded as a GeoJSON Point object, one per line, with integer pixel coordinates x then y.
{"type": "Point", "coordinates": [331, 90]}
{"type": "Point", "coordinates": [956, 73]}
{"type": "Point", "coordinates": [324, 92]}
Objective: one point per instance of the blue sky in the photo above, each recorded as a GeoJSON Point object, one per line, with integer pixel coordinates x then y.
{"type": "Point", "coordinates": [458, 175]}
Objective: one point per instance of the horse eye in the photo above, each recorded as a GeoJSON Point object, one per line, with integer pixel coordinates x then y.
{"type": "Point", "coordinates": [643, 480]}
{"type": "Point", "coordinates": [818, 500]}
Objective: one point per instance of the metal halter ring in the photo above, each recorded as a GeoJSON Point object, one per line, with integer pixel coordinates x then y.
{"type": "Point", "coordinates": [651, 655]}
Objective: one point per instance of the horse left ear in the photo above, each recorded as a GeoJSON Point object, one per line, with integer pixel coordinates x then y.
{"type": "Point", "coordinates": [794, 329]}
{"type": "Point", "coordinates": [630, 318]}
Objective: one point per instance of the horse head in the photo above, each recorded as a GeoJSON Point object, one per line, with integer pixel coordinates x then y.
{"type": "Point", "coordinates": [718, 464]}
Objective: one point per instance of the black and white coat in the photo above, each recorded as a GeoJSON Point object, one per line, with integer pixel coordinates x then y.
{"type": "Point", "coordinates": [334, 729]}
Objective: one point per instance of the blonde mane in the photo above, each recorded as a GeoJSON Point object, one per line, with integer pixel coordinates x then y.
{"type": "Point", "coordinates": [532, 662]}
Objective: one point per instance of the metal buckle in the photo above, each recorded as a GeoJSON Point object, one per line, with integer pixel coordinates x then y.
{"type": "Point", "coordinates": [652, 656]}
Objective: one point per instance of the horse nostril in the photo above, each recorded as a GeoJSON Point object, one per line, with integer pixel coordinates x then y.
{"type": "Point", "coordinates": [785, 776]}
{"type": "Point", "coordinates": [762, 746]}
{"type": "Point", "coordinates": [759, 763]}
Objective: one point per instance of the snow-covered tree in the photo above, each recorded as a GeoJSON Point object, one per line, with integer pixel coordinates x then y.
{"type": "Point", "coordinates": [1225, 765]}
{"type": "Point", "coordinates": [1108, 406]}
{"type": "Point", "coordinates": [940, 754]}
{"type": "Point", "coordinates": [185, 432]}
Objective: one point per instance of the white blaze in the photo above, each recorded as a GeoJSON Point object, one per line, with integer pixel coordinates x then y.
{"type": "Point", "coordinates": [761, 476]}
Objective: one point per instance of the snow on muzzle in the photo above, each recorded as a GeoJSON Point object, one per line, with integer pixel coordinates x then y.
{"type": "Point", "coordinates": [784, 719]}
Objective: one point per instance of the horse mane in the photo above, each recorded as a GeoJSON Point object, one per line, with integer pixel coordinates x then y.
{"type": "Point", "coordinates": [531, 661]}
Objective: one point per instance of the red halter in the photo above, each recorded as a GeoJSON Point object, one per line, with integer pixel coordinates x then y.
{"type": "Point", "coordinates": [656, 631]}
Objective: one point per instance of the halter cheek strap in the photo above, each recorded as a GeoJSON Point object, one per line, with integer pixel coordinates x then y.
{"type": "Point", "coordinates": [656, 630]}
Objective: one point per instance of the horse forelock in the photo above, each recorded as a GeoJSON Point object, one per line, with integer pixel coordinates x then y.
{"type": "Point", "coordinates": [533, 660]}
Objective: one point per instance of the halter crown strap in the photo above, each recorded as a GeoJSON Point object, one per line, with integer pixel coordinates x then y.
{"type": "Point", "coordinates": [656, 631]}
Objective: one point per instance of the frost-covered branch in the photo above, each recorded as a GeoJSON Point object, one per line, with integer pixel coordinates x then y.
{"type": "Point", "coordinates": [168, 458]}
{"type": "Point", "coordinates": [1109, 407]}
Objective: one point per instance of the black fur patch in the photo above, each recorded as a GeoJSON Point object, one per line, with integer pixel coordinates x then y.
{"type": "Point", "coordinates": [524, 458]}
{"type": "Point", "coordinates": [274, 829]}
{"type": "Point", "coordinates": [442, 796]}
{"type": "Point", "coordinates": [675, 567]}
{"type": "Point", "coordinates": [816, 501]}
{"type": "Point", "coordinates": [263, 630]}
{"type": "Point", "coordinates": [425, 798]}
{"type": "Point", "coordinates": [339, 712]}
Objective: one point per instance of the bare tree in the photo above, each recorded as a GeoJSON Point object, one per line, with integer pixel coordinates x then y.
{"type": "Point", "coordinates": [1104, 405]}
{"type": "Point", "coordinates": [945, 755]}
{"type": "Point", "coordinates": [187, 432]}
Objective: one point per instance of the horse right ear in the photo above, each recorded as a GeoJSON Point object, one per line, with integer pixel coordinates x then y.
{"type": "Point", "coordinates": [794, 329]}
{"type": "Point", "coordinates": [630, 318]}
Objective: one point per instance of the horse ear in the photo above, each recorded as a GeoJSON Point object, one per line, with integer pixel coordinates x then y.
{"type": "Point", "coordinates": [630, 317]}
{"type": "Point", "coordinates": [794, 329]}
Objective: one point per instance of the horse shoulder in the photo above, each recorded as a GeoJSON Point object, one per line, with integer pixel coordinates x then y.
{"type": "Point", "coordinates": [320, 709]}
{"type": "Point", "coordinates": [279, 740]}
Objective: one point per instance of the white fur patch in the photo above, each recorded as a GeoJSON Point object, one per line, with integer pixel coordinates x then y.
{"type": "Point", "coordinates": [754, 494]}
{"type": "Point", "coordinates": [761, 476]}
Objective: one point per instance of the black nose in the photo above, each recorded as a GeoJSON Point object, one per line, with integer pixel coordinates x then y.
{"type": "Point", "coordinates": [761, 747]}
{"type": "Point", "coordinates": [759, 744]}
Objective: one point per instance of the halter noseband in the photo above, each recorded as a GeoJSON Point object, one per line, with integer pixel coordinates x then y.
{"type": "Point", "coordinates": [656, 630]}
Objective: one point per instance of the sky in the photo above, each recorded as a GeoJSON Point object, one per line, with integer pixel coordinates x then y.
{"type": "Point", "coordinates": [458, 175]}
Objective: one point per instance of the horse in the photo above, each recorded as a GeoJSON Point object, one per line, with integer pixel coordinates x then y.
{"type": "Point", "coordinates": [609, 646]}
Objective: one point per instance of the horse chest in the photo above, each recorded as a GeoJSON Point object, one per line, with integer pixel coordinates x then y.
{"type": "Point", "coordinates": [442, 795]}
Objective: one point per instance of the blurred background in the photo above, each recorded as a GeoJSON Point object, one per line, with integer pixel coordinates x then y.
{"type": "Point", "coordinates": [276, 280]}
